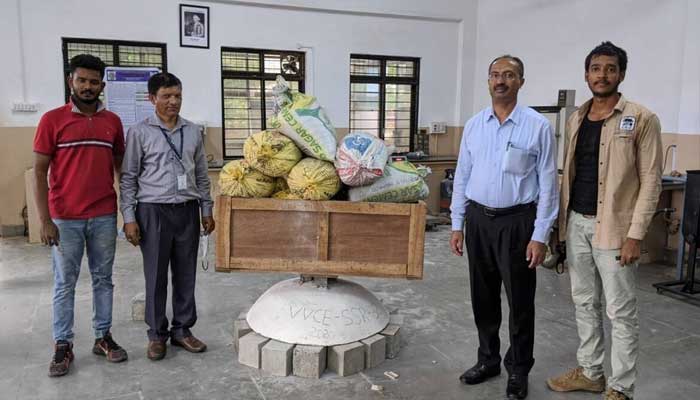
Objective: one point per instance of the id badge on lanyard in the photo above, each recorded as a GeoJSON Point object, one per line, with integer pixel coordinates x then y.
{"type": "Point", "coordinates": [182, 182]}
{"type": "Point", "coordinates": [181, 179]}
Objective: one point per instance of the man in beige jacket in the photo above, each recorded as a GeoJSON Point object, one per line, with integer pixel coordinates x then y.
{"type": "Point", "coordinates": [610, 189]}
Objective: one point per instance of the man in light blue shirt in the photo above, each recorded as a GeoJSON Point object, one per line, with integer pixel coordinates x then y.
{"type": "Point", "coordinates": [505, 189]}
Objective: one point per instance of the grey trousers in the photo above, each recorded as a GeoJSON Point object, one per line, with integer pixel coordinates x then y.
{"type": "Point", "coordinates": [596, 273]}
{"type": "Point", "coordinates": [169, 237]}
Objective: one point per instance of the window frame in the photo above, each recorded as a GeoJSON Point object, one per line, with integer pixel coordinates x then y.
{"type": "Point", "coordinates": [382, 80]}
{"type": "Point", "coordinates": [260, 76]}
{"type": "Point", "coordinates": [65, 41]}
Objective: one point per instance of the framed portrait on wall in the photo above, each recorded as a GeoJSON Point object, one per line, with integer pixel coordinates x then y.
{"type": "Point", "coordinates": [194, 26]}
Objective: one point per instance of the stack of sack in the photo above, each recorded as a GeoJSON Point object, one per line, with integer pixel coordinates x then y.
{"type": "Point", "coordinates": [298, 159]}
{"type": "Point", "coordinates": [273, 162]}
{"type": "Point", "coordinates": [363, 164]}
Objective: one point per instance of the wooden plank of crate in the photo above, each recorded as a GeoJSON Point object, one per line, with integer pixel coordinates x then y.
{"type": "Point", "coordinates": [346, 207]}
{"type": "Point", "coordinates": [319, 267]}
{"type": "Point", "coordinates": [274, 234]}
{"type": "Point", "coordinates": [223, 237]}
{"type": "Point", "coordinates": [416, 242]}
{"type": "Point", "coordinates": [369, 238]}
{"type": "Point", "coordinates": [322, 246]}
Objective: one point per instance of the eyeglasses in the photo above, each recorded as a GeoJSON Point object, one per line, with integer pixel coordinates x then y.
{"type": "Point", "coordinates": [508, 76]}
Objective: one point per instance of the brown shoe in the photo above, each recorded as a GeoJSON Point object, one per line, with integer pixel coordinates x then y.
{"type": "Point", "coordinates": [62, 357]}
{"type": "Point", "coordinates": [106, 346]}
{"type": "Point", "coordinates": [613, 394]}
{"type": "Point", "coordinates": [575, 380]}
{"type": "Point", "coordinates": [189, 343]}
{"type": "Point", "coordinates": [156, 350]}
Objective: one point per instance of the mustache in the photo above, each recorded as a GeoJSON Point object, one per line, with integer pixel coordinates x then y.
{"type": "Point", "coordinates": [88, 101]}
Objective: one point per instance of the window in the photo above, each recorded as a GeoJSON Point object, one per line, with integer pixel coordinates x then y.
{"type": "Point", "coordinates": [247, 79]}
{"type": "Point", "coordinates": [384, 98]}
{"type": "Point", "coordinates": [115, 53]}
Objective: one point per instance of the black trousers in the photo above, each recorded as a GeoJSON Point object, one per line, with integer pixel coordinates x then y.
{"type": "Point", "coordinates": [496, 247]}
{"type": "Point", "coordinates": [169, 237]}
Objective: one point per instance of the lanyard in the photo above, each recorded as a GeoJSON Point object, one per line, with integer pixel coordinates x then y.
{"type": "Point", "coordinates": [172, 145]}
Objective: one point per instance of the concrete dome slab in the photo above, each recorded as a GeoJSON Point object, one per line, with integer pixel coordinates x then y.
{"type": "Point", "coordinates": [299, 312]}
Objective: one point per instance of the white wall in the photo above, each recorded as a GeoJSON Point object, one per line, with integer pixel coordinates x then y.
{"type": "Point", "coordinates": [554, 37]}
{"type": "Point", "coordinates": [456, 39]}
{"type": "Point", "coordinates": [334, 29]}
{"type": "Point", "coordinates": [11, 86]}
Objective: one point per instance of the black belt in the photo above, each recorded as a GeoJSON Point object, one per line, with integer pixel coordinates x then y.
{"type": "Point", "coordinates": [499, 212]}
{"type": "Point", "coordinates": [185, 204]}
{"type": "Point", "coordinates": [174, 205]}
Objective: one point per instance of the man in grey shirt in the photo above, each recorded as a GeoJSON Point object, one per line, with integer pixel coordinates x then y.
{"type": "Point", "coordinates": [164, 185]}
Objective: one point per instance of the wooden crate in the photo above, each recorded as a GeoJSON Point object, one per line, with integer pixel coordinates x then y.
{"type": "Point", "coordinates": [320, 237]}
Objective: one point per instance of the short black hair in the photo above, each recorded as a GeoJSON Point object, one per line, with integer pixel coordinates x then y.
{"type": "Point", "coordinates": [512, 58]}
{"type": "Point", "coordinates": [160, 80]}
{"type": "Point", "coordinates": [607, 48]}
{"type": "Point", "coordinates": [87, 61]}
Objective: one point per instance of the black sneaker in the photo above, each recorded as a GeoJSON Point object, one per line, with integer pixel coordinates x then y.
{"type": "Point", "coordinates": [62, 357]}
{"type": "Point", "coordinates": [106, 346]}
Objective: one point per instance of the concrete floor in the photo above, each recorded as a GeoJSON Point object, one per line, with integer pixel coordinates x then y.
{"type": "Point", "coordinates": [439, 338]}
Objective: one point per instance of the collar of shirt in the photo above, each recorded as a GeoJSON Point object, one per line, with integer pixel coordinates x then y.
{"type": "Point", "coordinates": [154, 120]}
{"type": "Point", "coordinates": [75, 109]}
{"type": "Point", "coordinates": [583, 110]}
{"type": "Point", "coordinates": [514, 116]}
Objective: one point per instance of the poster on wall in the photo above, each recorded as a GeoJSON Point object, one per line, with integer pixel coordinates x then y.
{"type": "Point", "coordinates": [194, 26]}
{"type": "Point", "coordinates": [126, 93]}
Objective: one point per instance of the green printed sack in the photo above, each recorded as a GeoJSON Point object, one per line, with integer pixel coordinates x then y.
{"type": "Point", "coordinates": [401, 182]}
{"type": "Point", "coordinates": [302, 119]}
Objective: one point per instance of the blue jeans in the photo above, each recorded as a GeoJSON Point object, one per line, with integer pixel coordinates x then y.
{"type": "Point", "coordinates": [99, 235]}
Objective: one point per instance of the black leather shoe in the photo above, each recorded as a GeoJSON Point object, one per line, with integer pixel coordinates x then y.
{"type": "Point", "coordinates": [479, 373]}
{"type": "Point", "coordinates": [517, 387]}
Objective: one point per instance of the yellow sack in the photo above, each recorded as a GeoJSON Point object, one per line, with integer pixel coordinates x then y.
{"type": "Point", "coordinates": [285, 195]}
{"type": "Point", "coordinates": [282, 190]}
{"type": "Point", "coordinates": [239, 179]}
{"type": "Point", "coordinates": [271, 153]}
{"type": "Point", "coordinates": [281, 184]}
{"type": "Point", "coordinates": [313, 179]}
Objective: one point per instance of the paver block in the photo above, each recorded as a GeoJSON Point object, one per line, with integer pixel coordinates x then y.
{"type": "Point", "coordinates": [277, 358]}
{"type": "Point", "coordinates": [346, 359]}
{"type": "Point", "coordinates": [309, 361]}
{"type": "Point", "coordinates": [138, 307]}
{"type": "Point", "coordinates": [249, 349]}
{"type": "Point", "coordinates": [375, 350]}
{"type": "Point", "coordinates": [392, 333]}
{"type": "Point", "coordinates": [240, 329]}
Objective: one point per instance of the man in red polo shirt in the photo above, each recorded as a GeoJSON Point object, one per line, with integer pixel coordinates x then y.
{"type": "Point", "coordinates": [82, 144]}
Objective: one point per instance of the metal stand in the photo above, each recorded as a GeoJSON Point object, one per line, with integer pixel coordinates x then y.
{"type": "Point", "coordinates": [687, 288]}
{"type": "Point", "coordinates": [690, 234]}
{"type": "Point", "coordinates": [317, 310]}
